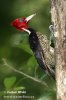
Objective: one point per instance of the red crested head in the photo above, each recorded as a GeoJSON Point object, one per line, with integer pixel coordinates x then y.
{"type": "Point", "coordinates": [21, 23]}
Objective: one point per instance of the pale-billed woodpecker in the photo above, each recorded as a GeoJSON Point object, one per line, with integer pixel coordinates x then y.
{"type": "Point", "coordinates": [39, 44]}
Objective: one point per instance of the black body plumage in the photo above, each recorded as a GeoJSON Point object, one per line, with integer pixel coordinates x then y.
{"type": "Point", "coordinates": [36, 47]}
{"type": "Point", "coordinates": [39, 53]}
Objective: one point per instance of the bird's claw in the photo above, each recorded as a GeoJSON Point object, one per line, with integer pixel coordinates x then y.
{"type": "Point", "coordinates": [51, 28]}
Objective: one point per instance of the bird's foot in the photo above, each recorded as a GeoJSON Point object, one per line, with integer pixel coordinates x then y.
{"type": "Point", "coordinates": [51, 28]}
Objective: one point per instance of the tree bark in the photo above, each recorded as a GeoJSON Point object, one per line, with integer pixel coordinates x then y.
{"type": "Point", "coordinates": [58, 17]}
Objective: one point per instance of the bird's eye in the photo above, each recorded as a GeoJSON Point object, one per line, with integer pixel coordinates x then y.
{"type": "Point", "coordinates": [20, 20]}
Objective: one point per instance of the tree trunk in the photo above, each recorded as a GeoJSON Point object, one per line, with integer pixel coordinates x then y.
{"type": "Point", "coordinates": [58, 17]}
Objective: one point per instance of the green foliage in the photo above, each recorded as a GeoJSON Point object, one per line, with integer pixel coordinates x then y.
{"type": "Point", "coordinates": [19, 88]}
{"type": "Point", "coordinates": [23, 46]}
{"type": "Point", "coordinates": [31, 62]}
{"type": "Point", "coordinates": [9, 82]}
{"type": "Point", "coordinates": [14, 47]}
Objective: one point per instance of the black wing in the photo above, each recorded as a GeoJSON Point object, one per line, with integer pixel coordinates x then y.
{"type": "Point", "coordinates": [39, 55]}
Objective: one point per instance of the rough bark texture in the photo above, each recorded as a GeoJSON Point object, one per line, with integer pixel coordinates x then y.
{"type": "Point", "coordinates": [58, 16]}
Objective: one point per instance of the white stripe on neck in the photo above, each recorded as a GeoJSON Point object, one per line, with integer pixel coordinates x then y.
{"type": "Point", "coordinates": [27, 30]}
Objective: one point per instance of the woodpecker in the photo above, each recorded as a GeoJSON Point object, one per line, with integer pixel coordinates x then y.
{"type": "Point", "coordinates": [39, 44]}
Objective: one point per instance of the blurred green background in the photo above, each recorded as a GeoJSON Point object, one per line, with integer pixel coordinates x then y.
{"type": "Point", "coordinates": [16, 53]}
